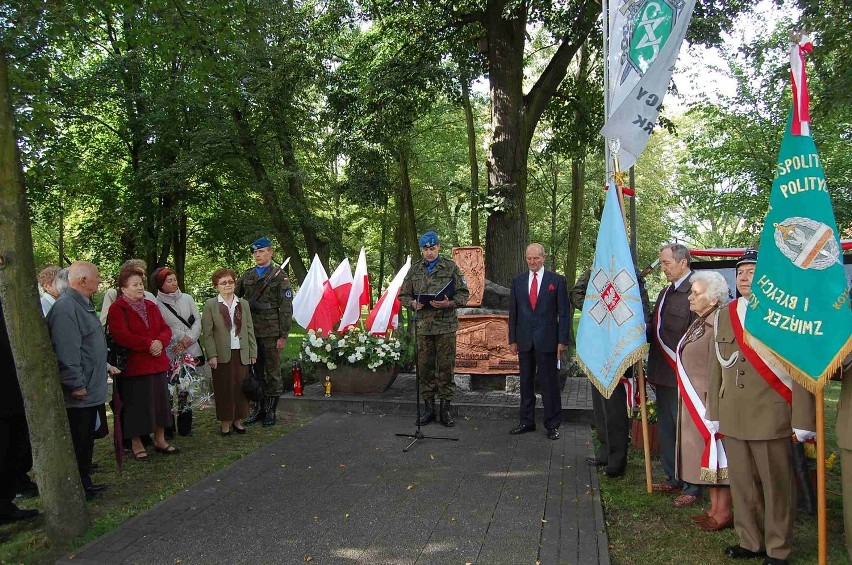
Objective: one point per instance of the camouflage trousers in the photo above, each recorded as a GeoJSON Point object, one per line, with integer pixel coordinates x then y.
{"type": "Point", "coordinates": [436, 359]}
{"type": "Point", "coordinates": [269, 366]}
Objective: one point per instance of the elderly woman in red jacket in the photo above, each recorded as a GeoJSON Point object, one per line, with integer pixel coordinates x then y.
{"type": "Point", "coordinates": [136, 323]}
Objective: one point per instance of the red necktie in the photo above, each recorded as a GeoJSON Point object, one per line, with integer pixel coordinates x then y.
{"type": "Point", "coordinates": [534, 291]}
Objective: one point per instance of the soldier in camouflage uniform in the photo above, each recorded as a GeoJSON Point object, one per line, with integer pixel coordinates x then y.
{"type": "Point", "coordinates": [268, 292]}
{"type": "Point", "coordinates": [436, 325]}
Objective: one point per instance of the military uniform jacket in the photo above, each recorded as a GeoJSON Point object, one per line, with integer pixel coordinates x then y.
{"type": "Point", "coordinates": [434, 321]}
{"type": "Point", "coordinates": [675, 320]}
{"type": "Point", "coordinates": [744, 404]}
{"type": "Point", "coordinates": [271, 311]}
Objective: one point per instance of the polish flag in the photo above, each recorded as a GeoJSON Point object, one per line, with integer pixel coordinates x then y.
{"type": "Point", "coordinates": [341, 284]}
{"type": "Point", "coordinates": [386, 312]}
{"type": "Point", "coordinates": [315, 306]}
{"type": "Point", "coordinates": [359, 295]}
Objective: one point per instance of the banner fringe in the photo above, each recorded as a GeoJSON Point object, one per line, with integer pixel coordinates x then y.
{"type": "Point", "coordinates": [810, 383]}
{"type": "Point", "coordinates": [631, 359]}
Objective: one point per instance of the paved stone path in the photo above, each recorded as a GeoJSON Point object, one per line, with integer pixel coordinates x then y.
{"type": "Point", "coordinates": [340, 490]}
{"type": "Point", "coordinates": [400, 398]}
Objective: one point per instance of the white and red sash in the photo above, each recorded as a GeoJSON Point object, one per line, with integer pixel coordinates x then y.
{"type": "Point", "coordinates": [670, 355]}
{"type": "Point", "coordinates": [773, 374]}
{"type": "Point", "coordinates": [631, 392]}
{"type": "Point", "coordinates": [714, 461]}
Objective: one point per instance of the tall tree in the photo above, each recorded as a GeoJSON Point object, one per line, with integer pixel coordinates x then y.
{"type": "Point", "coordinates": [53, 456]}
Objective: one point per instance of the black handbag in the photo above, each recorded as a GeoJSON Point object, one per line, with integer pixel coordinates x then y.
{"type": "Point", "coordinates": [116, 354]}
{"type": "Point", "coordinates": [252, 387]}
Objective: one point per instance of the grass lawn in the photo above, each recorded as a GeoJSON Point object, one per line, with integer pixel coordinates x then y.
{"type": "Point", "coordinates": [646, 528]}
{"type": "Point", "coordinates": [140, 485]}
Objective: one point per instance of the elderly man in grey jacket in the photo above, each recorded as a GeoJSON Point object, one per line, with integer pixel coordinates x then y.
{"type": "Point", "coordinates": [81, 350]}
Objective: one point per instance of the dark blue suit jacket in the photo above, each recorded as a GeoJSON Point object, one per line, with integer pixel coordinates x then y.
{"type": "Point", "coordinates": [546, 326]}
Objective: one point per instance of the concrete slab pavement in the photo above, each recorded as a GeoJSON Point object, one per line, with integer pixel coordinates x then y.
{"type": "Point", "coordinates": [339, 490]}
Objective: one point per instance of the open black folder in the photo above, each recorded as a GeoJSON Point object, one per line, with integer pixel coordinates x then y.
{"type": "Point", "coordinates": [449, 291]}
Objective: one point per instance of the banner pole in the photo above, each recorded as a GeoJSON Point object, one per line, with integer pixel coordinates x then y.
{"type": "Point", "coordinates": [646, 445]}
{"type": "Point", "coordinates": [822, 532]}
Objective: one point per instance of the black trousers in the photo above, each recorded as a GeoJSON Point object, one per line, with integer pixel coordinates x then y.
{"type": "Point", "coordinates": [540, 366]}
{"type": "Point", "coordinates": [613, 426]}
{"type": "Point", "coordinates": [16, 456]}
{"type": "Point", "coordinates": [82, 424]}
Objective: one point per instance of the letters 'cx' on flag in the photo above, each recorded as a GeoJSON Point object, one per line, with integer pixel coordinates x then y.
{"type": "Point", "coordinates": [315, 305]}
{"type": "Point", "coordinates": [799, 307]}
{"type": "Point", "coordinates": [385, 314]}
{"type": "Point", "coordinates": [359, 295]}
{"type": "Point", "coordinates": [644, 39]}
{"type": "Point", "coordinates": [611, 334]}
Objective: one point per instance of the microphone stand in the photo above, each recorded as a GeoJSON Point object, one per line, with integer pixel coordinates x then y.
{"type": "Point", "coordinates": [418, 434]}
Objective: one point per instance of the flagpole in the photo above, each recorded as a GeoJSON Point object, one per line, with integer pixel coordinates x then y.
{"type": "Point", "coordinates": [822, 531]}
{"type": "Point", "coordinates": [638, 368]}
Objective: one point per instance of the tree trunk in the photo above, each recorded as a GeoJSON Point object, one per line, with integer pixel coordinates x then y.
{"type": "Point", "coordinates": [474, 165]}
{"type": "Point", "coordinates": [506, 231]}
{"type": "Point", "coordinates": [266, 189]}
{"type": "Point", "coordinates": [553, 170]}
{"type": "Point", "coordinates": [407, 217]}
{"type": "Point", "coordinates": [180, 250]}
{"type": "Point", "coordinates": [578, 171]}
{"type": "Point", "coordinates": [300, 211]}
{"type": "Point", "coordinates": [514, 118]}
{"type": "Point", "coordinates": [55, 465]}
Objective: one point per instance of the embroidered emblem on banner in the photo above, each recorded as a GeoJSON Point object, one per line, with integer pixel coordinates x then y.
{"type": "Point", "coordinates": [610, 297]}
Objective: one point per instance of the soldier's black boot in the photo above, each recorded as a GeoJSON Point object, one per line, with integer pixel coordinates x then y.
{"type": "Point", "coordinates": [446, 417]}
{"type": "Point", "coordinates": [428, 414]}
{"type": "Point", "coordinates": [257, 414]}
{"type": "Point", "coordinates": [271, 411]}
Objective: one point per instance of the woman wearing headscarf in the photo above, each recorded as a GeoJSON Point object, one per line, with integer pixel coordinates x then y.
{"type": "Point", "coordinates": [700, 456]}
{"type": "Point", "coordinates": [180, 313]}
{"type": "Point", "coordinates": [136, 324]}
{"type": "Point", "coordinates": [231, 346]}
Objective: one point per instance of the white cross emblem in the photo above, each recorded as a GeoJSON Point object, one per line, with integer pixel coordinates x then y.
{"type": "Point", "coordinates": [610, 301]}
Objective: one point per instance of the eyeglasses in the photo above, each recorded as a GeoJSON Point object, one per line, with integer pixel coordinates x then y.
{"type": "Point", "coordinates": [225, 283]}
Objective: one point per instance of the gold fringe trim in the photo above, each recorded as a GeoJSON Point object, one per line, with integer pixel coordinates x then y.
{"type": "Point", "coordinates": [711, 476]}
{"type": "Point", "coordinates": [631, 359]}
{"type": "Point", "coordinates": [812, 384]}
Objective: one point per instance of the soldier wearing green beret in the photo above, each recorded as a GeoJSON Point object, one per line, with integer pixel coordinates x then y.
{"type": "Point", "coordinates": [437, 323]}
{"type": "Point", "coordinates": [267, 290]}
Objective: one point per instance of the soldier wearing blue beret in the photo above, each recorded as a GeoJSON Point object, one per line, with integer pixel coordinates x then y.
{"type": "Point", "coordinates": [437, 323]}
{"type": "Point", "coordinates": [267, 290]}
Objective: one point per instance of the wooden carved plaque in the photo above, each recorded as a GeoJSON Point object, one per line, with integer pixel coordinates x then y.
{"type": "Point", "coordinates": [482, 346]}
{"type": "Point", "coordinates": [471, 261]}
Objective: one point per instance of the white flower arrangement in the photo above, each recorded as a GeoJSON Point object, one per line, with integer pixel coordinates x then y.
{"type": "Point", "coordinates": [186, 385]}
{"type": "Point", "coordinates": [354, 347]}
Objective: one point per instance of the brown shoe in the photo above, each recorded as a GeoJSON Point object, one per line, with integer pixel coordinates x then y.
{"type": "Point", "coordinates": [685, 500]}
{"type": "Point", "coordinates": [665, 488]}
{"type": "Point", "coordinates": [700, 518]}
{"type": "Point", "coordinates": [711, 525]}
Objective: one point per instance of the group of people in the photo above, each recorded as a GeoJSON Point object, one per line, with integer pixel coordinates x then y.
{"type": "Point", "coordinates": [244, 326]}
{"type": "Point", "coordinates": [539, 322]}
{"type": "Point", "coordinates": [727, 414]}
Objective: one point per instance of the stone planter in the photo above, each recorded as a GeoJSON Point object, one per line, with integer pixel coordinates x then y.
{"type": "Point", "coordinates": [346, 378]}
{"type": "Point", "coordinates": [653, 439]}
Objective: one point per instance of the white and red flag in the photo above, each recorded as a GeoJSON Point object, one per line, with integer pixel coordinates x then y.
{"type": "Point", "coordinates": [341, 284]}
{"type": "Point", "coordinates": [359, 295]}
{"type": "Point", "coordinates": [386, 312]}
{"type": "Point", "coordinates": [315, 306]}
{"type": "Point", "coordinates": [801, 99]}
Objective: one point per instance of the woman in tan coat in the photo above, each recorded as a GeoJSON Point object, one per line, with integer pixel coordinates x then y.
{"type": "Point", "coordinates": [701, 458]}
{"type": "Point", "coordinates": [229, 342]}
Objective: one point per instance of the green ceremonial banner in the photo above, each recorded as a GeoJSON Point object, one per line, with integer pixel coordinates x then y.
{"type": "Point", "coordinates": [799, 307]}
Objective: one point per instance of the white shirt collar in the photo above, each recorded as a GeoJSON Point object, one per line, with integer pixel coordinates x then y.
{"type": "Point", "coordinates": [680, 281]}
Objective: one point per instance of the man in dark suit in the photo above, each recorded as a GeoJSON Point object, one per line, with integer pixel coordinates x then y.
{"type": "Point", "coordinates": [669, 322]}
{"type": "Point", "coordinates": [538, 333]}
